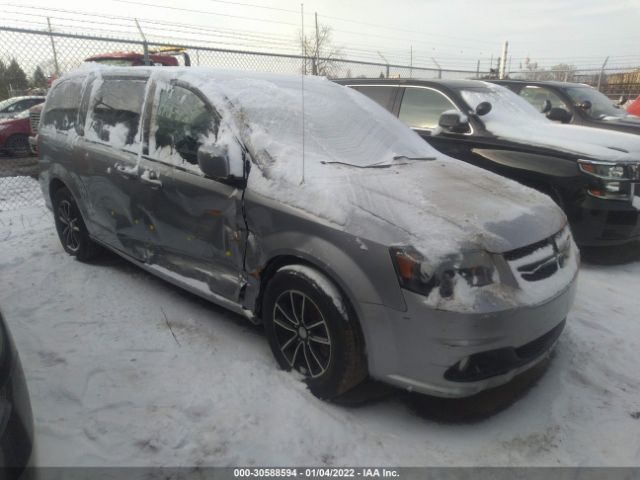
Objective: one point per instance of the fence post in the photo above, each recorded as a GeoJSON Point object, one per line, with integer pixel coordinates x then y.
{"type": "Point", "coordinates": [437, 65]}
{"type": "Point", "coordinates": [602, 72]}
{"type": "Point", "coordinates": [53, 48]}
{"type": "Point", "coordinates": [478, 69]}
{"type": "Point", "coordinates": [145, 45]}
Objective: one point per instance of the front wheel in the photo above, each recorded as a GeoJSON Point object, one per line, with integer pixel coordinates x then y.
{"type": "Point", "coordinates": [72, 231]}
{"type": "Point", "coordinates": [311, 330]}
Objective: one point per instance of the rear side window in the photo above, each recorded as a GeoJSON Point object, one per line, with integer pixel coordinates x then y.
{"type": "Point", "coordinates": [383, 96]}
{"type": "Point", "coordinates": [61, 111]}
{"type": "Point", "coordinates": [537, 96]}
{"type": "Point", "coordinates": [115, 116]}
{"type": "Point", "coordinates": [183, 122]}
{"type": "Point", "coordinates": [422, 107]}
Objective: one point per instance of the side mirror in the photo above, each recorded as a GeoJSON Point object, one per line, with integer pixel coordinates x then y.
{"type": "Point", "coordinates": [546, 106]}
{"type": "Point", "coordinates": [454, 121]}
{"type": "Point", "coordinates": [214, 161]}
{"type": "Point", "coordinates": [558, 114]}
{"type": "Point", "coordinates": [483, 108]}
{"type": "Point", "coordinates": [586, 105]}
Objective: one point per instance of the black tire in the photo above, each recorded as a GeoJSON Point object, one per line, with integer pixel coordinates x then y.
{"type": "Point", "coordinates": [329, 370]}
{"type": "Point", "coordinates": [18, 146]}
{"type": "Point", "coordinates": [72, 231]}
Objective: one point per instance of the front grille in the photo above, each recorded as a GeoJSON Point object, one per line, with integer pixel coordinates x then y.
{"type": "Point", "coordinates": [34, 121]}
{"type": "Point", "coordinates": [542, 259]}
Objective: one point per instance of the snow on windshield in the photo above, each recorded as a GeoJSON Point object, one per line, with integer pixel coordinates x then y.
{"type": "Point", "coordinates": [514, 119]}
{"type": "Point", "coordinates": [506, 105]}
{"type": "Point", "coordinates": [340, 124]}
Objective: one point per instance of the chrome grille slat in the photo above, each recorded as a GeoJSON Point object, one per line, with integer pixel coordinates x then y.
{"type": "Point", "coordinates": [34, 121]}
{"type": "Point", "coordinates": [540, 260]}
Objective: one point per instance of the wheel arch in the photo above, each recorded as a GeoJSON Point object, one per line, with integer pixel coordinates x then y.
{"type": "Point", "coordinates": [283, 260]}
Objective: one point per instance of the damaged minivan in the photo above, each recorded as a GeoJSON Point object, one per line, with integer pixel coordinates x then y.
{"type": "Point", "coordinates": [362, 250]}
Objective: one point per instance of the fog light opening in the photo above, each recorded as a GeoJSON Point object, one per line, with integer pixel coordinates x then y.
{"type": "Point", "coordinates": [462, 364]}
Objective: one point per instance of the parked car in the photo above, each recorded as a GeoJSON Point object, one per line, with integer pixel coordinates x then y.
{"type": "Point", "coordinates": [14, 135]}
{"type": "Point", "coordinates": [16, 420]}
{"type": "Point", "coordinates": [574, 103]}
{"type": "Point", "coordinates": [163, 57]}
{"type": "Point", "coordinates": [634, 107]}
{"type": "Point", "coordinates": [592, 174]}
{"type": "Point", "coordinates": [361, 249]}
{"type": "Point", "coordinates": [13, 106]}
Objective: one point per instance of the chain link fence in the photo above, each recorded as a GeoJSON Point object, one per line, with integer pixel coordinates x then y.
{"type": "Point", "coordinates": [33, 58]}
{"type": "Point", "coordinates": [615, 82]}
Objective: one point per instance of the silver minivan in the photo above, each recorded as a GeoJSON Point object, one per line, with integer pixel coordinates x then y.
{"type": "Point", "coordinates": [304, 205]}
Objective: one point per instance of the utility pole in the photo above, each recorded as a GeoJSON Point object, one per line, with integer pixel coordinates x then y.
{"type": "Point", "coordinates": [478, 69]}
{"type": "Point", "coordinates": [502, 67]}
{"type": "Point", "coordinates": [602, 72]}
{"type": "Point", "coordinates": [317, 62]}
{"type": "Point", "coordinates": [411, 61]}
{"type": "Point", "coordinates": [385, 61]}
{"type": "Point", "coordinates": [53, 47]}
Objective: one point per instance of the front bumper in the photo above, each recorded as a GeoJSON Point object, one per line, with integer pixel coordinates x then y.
{"type": "Point", "coordinates": [33, 144]}
{"type": "Point", "coordinates": [598, 222]}
{"type": "Point", "coordinates": [415, 349]}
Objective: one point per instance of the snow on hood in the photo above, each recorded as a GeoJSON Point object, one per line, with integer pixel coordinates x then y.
{"type": "Point", "coordinates": [364, 171]}
{"type": "Point", "coordinates": [513, 118]}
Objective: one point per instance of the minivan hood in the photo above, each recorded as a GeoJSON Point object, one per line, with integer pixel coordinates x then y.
{"type": "Point", "coordinates": [445, 206]}
{"type": "Point", "coordinates": [589, 142]}
{"type": "Point", "coordinates": [440, 207]}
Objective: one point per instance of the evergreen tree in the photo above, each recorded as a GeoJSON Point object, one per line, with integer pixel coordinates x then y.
{"type": "Point", "coordinates": [15, 78]}
{"type": "Point", "coordinates": [39, 80]}
{"type": "Point", "coordinates": [4, 93]}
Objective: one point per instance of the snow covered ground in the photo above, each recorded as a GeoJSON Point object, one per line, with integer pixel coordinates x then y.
{"type": "Point", "coordinates": [125, 369]}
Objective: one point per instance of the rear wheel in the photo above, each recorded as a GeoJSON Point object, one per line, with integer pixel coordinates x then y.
{"type": "Point", "coordinates": [311, 330]}
{"type": "Point", "coordinates": [71, 228]}
{"type": "Point", "coordinates": [18, 146]}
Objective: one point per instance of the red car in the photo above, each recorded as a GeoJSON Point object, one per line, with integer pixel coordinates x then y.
{"type": "Point", "coordinates": [159, 58]}
{"type": "Point", "coordinates": [634, 107]}
{"type": "Point", "coordinates": [14, 135]}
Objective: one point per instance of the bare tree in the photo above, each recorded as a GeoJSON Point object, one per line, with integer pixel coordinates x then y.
{"type": "Point", "coordinates": [563, 72]}
{"type": "Point", "coordinates": [321, 55]}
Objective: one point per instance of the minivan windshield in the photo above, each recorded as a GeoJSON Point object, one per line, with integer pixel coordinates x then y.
{"type": "Point", "coordinates": [601, 106]}
{"type": "Point", "coordinates": [341, 125]}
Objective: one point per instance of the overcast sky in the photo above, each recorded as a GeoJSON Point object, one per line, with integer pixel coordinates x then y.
{"type": "Point", "coordinates": [451, 32]}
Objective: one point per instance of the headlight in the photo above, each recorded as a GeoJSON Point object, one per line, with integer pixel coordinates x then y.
{"type": "Point", "coordinates": [610, 180]}
{"type": "Point", "coordinates": [417, 274]}
{"type": "Point", "coordinates": [604, 170]}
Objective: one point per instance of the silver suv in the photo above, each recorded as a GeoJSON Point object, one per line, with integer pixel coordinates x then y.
{"type": "Point", "coordinates": [362, 250]}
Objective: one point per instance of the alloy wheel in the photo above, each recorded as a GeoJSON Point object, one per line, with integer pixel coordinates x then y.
{"type": "Point", "coordinates": [302, 333]}
{"type": "Point", "coordinates": [70, 225]}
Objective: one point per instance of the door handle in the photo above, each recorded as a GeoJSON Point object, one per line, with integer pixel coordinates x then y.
{"type": "Point", "coordinates": [128, 172]}
{"type": "Point", "coordinates": [151, 177]}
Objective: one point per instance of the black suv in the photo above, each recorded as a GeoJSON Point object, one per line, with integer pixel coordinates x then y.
{"type": "Point", "coordinates": [574, 103]}
{"type": "Point", "coordinates": [592, 174]}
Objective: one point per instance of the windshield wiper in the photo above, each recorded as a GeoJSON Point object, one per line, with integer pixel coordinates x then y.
{"type": "Point", "coordinates": [373, 165]}
{"type": "Point", "coordinates": [381, 164]}
{"type": "Point", "coordinates": [398, 157]}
